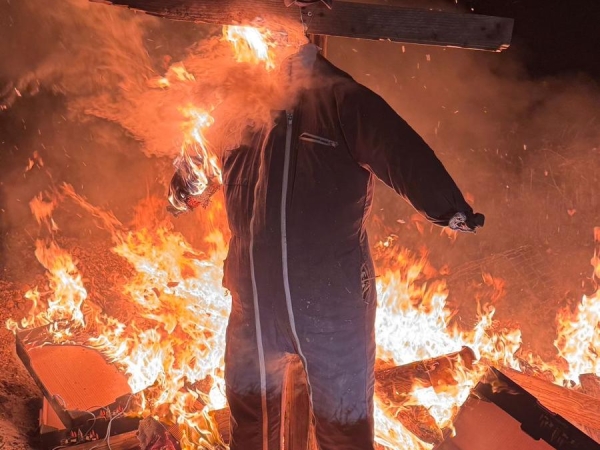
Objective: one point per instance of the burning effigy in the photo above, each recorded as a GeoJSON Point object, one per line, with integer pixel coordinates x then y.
{"type": "Point", "coordinates": [156, 363]}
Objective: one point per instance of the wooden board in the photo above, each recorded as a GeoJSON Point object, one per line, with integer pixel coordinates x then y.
{"type": "Point", "coordinates": [574, 406]}
{"type": "Point", "coordinates": [346, 19]}
{"type": "Point", "coordinates": [481, 425]}
{"type": "Point", "coordinates": [74, 379]}
{"type": "Point", "coordinates": [537, 419]}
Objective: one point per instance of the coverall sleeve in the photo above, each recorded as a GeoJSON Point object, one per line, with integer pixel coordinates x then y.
{"type": "Point", "coordinates": [383, 143]}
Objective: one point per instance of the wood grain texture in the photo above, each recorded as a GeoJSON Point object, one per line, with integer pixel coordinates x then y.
{"type": "Point", "coordinates": [590, 385]}
{"type": "Point", "coordinates": [574, 406]}
{"type": "Point", "coordinates": [347, 19]}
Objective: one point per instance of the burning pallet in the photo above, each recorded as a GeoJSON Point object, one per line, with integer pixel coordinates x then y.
{"type": "Point", "coordinates": [86, 397]}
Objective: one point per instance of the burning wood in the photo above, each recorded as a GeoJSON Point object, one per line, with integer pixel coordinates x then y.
{"type": "Point", "coordinates": [500, 414]}
{"type": "Point", "coordinates": [346, 19]}
{"type": "Point", "coordinates": [579, 408]}
{"type": "Point", "coordinates": [440, 372]}
{"type": "Point", "coordinates": [155, 436]}
{"type": "Point", "coordinates": [394, 387]}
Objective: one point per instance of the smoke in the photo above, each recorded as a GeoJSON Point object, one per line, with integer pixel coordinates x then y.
{"type": "Point", "coordinates": [80, 50]}
{"type": "Point", "coordinates": [525, 150]}
{"type": "Point", "coordinates": [83, 85]}
{"type": "Point", "coordinates": [101, 60]}
{"type": "Point", "coordinates": [505, 137]}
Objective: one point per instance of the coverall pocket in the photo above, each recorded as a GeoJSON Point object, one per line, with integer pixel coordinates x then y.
{"type": "Point", "coordinates": [313, 138]}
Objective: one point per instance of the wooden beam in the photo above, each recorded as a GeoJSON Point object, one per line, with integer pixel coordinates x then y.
{"type": "Point", "coordinates": [397, 382]}
{"type": "Point", "coordinates": [346, 19]}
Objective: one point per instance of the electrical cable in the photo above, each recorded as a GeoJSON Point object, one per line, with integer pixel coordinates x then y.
{"type": "Point", "coordinates": [108, 428]}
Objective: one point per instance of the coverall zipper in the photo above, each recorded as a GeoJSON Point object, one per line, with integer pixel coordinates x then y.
{"type": "Point", "coordinates": [284, 254]}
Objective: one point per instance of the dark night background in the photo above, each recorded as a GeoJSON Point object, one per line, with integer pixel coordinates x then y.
{"type": "Point", "coordinates": [553, 36]}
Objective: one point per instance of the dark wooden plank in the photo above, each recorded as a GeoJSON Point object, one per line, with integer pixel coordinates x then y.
{"type": "Point", "coordinates": [346, 19]}
{"type": "Point", "coordinates": [574, 406]}
{"type": "Point", "coordinates": [532, 410]}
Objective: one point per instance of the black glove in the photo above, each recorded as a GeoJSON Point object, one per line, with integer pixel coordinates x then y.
{"type": "Point", "coordinates": [466, 222]}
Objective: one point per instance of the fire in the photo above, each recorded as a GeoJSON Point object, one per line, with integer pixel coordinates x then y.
{"type": "Point", "coordinates": [413, 323]}
{"type": "Point", "coordinates": [251, 44]}
{"type": "Point", "coordinates": [195, 149]}
{"type": "Point", "coordinates": [177, 291]}
{"type": "Point", "coordinates": [197, 164]}
{"type": "Point", "coordinates": [67, 293]}
{"type": "Point", "coordinates": [42, 211]}
{"type": "Point", "coordinates": [578, 338]}
{"type": "Point", "coordinates": [175, 298]}
{"type": "Point", "coordinates": [169, 334]}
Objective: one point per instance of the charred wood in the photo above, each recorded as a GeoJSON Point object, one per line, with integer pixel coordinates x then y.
{"type": "Point", "coordinates": [578, 408]}
{"type": "Point", "coordinates": [346, 19]}
{"type": "Point", "coordinates": [397, 382]}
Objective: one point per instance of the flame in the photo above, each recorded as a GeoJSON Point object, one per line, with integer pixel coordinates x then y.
{"type": "Point", "coordinates": [197, 164]}
{"type": "Point", "coordinates": [195, 151]}
{"type": "Point", "coordinates": [63, 303]}
{"type": "Point", "coordinates": [174, 298]}
{"type": "Point", "coordinates": [251, 45]}
{"type": "Point", "coordinates": [413, 323]}
{"type": "Point", "coordinates": [42, 210]}
{"type": "Point", "coordinates": [578, 340]}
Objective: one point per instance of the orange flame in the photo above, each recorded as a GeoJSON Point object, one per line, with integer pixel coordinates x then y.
{"type": "Point", "coordinates": [251, 44]}
{"type": "Point", "coordinates": [67, 293]}
{"type": "Point", "coordinates": [195, 148]}
{"type": "Point", "coordinates": [578, 340]}
{"type": "Point", "coordinates": [413, 323]}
